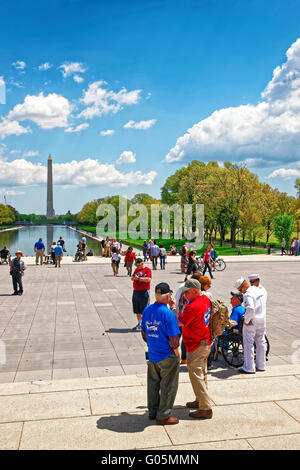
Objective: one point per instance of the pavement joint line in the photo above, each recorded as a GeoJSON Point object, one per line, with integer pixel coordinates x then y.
{"type": "Point", "coordinates": [21, 435]}
{"type": "Point", "coordinates": [291, 416]}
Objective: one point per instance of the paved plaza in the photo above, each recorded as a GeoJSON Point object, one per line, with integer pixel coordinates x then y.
{"type": "Point", "coordinates": [75, 378]}
{"type": "Point", "coordinates": [76, 321]}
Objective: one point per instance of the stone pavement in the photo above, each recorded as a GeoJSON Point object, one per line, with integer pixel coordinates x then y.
{"type": "Point", "coordinates": [250, 412]}
{"type": "Point", "coordinates": [75, 322]}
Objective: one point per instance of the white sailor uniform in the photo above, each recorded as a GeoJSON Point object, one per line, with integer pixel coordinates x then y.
{"type": "Point", "coordinates": [255, 300]}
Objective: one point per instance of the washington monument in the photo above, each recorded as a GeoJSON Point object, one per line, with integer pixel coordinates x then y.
{"type": "Point", "coordinates": [50, 211]}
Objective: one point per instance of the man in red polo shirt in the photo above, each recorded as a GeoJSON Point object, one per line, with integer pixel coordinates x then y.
{"type": "Point", "coordinates": [141, 286]}
{"type": "Point", "coordinates": [197, 339]}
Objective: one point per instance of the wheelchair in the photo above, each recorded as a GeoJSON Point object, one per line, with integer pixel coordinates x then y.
{"type": "Point", "coordinates": [230, 345]}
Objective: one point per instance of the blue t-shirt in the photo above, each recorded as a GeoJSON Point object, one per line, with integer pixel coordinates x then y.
{"type": "Point", "coordinates": [237, 314]}
{"type": "Point", "coordinates": [58, 250]}
{"type": "Point", "coordinates": [159, 323]}
{"type": "Point", "coordinates": [39, 245]}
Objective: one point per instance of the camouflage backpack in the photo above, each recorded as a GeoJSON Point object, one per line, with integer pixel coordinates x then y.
{"type": "Point", "coordinates": [219, 318]}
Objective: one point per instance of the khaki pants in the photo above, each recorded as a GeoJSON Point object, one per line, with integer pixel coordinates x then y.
{"type": "Point", "coordinates": [39, 255]}
{"type": "Point", "coordinates": [58, 259]}
{"type": "Point", "coordinates": [107, 251]}
{"type": "Point", "coordinates": [197, 368]}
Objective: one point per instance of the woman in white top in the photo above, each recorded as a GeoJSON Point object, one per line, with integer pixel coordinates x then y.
{"type": "Point", "coordinates": [115, 262]}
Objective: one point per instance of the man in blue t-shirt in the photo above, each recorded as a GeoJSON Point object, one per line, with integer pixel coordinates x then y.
{"type": "Point", "coordinates": [161, 333]}
{"type": "Point", "coordinates": [238, 311]}
{"type": "Point", "coordinates": [58, 252]}
{"type": "Point", "coordinates": [39, 249]}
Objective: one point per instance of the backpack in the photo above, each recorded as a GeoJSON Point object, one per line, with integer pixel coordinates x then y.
{"type": "Point", "coordinates": [219, 318]}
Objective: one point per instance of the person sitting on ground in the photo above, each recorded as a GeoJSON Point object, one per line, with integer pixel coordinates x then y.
{"type": "Point", "coordinates": [90, 253]}
{"type": "Point", "coordinates": [161, 333]}
{"type": "Point", "coordinates": [173, 251]}
{"type": "Point", "coordinates": [5, 255]}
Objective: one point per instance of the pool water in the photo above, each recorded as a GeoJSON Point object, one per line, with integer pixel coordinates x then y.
{"type": "Point", "coordinates": [25, 238]}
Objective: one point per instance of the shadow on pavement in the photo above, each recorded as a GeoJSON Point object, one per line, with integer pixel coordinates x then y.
{"type": "Point", "coordinates": [122, 330]}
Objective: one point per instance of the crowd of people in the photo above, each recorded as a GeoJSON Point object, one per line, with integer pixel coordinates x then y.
{"type": "Point", "coordinates": [183, 322]}
{"type": "Point", "coordinates": [293, 249]}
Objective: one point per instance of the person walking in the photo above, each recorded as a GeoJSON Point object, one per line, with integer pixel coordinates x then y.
{"type": "Point", "coordinates": [283, 245]}
{"type": "Point", "coordinates": [197, 339]}
{"type": "Point", "coordinates": [107, 245]}
{"type": "Point", "coordinates": [52, 248]}
{"type": "Point", "coordinates": [115, 261]}
{"type": "Point", "coordinates": [61, 242]}
{"type": "Point", "coordinates": [192, 265]}
{"type": "Point", "coordinates": [161, 333]}
{"type": "Point", "coordinates": [141, 278]}
{"type": "Point", "coordinates": [39, 249]}
{"type": "Point", "coordinates": [207, 259]}
{"type": "Point", "coordinates": [17, 268]}
{"type": "Point", "coordinates": [58, 252]}
{"type": "Point", "coordinates": [254, 327]}
{"type": "Point", "coordinates": [183, 258]}
{"type": "Point", "coordinates": [162, 256]}
{"type": "Point", "coordinates": [154, 255]}
{"type": "Point", "coordinates": [129, 260]}
{"type": "Point", "coordinates": [145, 251]}
{"type": "Point", "coordinates": [83, 240]}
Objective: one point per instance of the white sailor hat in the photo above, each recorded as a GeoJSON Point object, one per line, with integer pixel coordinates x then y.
{"type": "Point", "coordinates": [239, 282]}
{"type": "Point", "coordinates": [253, 277]}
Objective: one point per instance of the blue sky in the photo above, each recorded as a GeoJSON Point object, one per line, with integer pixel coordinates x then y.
{"type": "Point", "coordinates": [164, 67]}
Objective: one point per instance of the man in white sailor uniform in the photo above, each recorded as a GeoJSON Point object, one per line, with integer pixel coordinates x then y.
{"type": "Point", "coordinates": [254, 327]}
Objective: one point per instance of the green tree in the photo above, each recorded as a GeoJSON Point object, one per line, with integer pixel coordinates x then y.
{"type": "Point", "coordinates": [284, 227]}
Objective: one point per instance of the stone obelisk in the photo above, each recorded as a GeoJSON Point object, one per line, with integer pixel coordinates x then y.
{"type": "Point", "coordinates": [50, 211]}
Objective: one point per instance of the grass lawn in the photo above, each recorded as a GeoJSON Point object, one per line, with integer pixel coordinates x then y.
{"type": "Point", "coordinates": [168, 243]}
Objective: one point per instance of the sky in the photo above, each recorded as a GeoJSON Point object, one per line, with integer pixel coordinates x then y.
{"type": "Point", "coordinates": [122, 94]}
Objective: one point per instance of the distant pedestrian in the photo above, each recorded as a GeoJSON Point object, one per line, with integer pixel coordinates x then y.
{"type": "Point", "coordinates": [161, 333]}
{"type": "Point", "coordinates": [52, 247]}
{"type": "Point", "coordinates": [162, 256]}
{"type": "Point", "coordinates": [141, 287]}
{"type": "Point", "coordinates": [154, 255]}
{"type": "Point", "coordinates": [115, 261]}
{"type": "Point", "coordinates": [58, 251]}
{"type": "Point", "coordinates": [283, 245]}
{"type": "Point", "coordinates": [207, 259]}
{"type": "Point", "coordinates": [183, 259]}
{"type": "Point", "coordinates": [145, 250]}
{"type": "Point", "coordinates": [192, 264]}
{"type": "Point", "coordinates": [129, 260]}
{"type": "Point", "coordinates": [61, 242]}
{"type": "Point", "coordinates": [17, 268]}
{"type": "Point", "coordinates": [39, 249]}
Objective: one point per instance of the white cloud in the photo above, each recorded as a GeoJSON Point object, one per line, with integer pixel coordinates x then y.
{"type": "Point", "coordinates": [141, 125]}
{"type": "Point", "coordinates": [78, 79]}
{"type": "Point", "coordinates": [80, 127]}
{"type": "Point", "coordinates": [107, 132]}
{"type": "Point", "coordinates": [11, 192]}
{"type": "Point", "coordinates": [47, 112]}
{"type": "Point", "coordinates": [126, 157]}
{"type": "Point", "coordinates": [30, 153]}
{"type": "Point", "coordinates": [69, 68]}
{"type": "Point", "coordinates": [83, 173]}
{"type": "Point", "coordinates": [286, 173]}
{"type": "Point", "coordinates": [45, 66]}
{"type": "Point", "coordinates": [19, 64]}
{"type": "Point", "coordinates": [99, 100]}
{"type": "Point", "coordinates": [268, 130]}
{"type": "Point", "coordinates": [11, 127]}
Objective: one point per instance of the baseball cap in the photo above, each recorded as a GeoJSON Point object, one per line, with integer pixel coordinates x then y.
{"type": "Point", "coordinates": [238, 295]}
{"type": "Point", "coordinates": [239, 282]}
{"type": "Point", "coordinates": [163, 288]}
{"type": "Point", "coordinates": [139, 261]}
{"type": "Point", "coordinates": [191, 284]}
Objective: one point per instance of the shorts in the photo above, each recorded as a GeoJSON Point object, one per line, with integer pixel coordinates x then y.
{"type": "Point", "coordinates": [140, 300]}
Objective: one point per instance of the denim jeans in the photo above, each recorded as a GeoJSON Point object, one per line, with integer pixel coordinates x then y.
{"type": "Point", "coordinates": [162, 262]}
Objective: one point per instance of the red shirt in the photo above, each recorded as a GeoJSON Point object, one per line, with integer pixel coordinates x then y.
{"type": "Point", "coordinates": [207, 255]}
{"type": "Point", "coordinates": [129, 257]}
{"type": "Point", "coordinates": [145, 272]}
{"type": "Point", "coordinates": [195, 320]}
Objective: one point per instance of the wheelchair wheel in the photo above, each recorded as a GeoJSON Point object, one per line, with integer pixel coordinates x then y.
{"type": "Point", "coordinates": [220, 264]}
{"type": "Point", "coordinates": [232, 350]}
{"type": "Point", "coordinates": [267, 350]}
